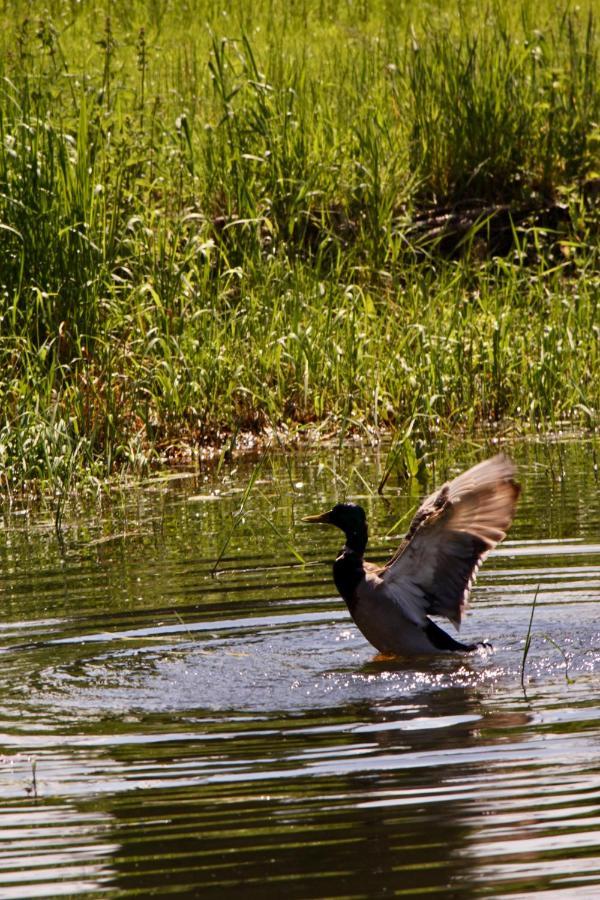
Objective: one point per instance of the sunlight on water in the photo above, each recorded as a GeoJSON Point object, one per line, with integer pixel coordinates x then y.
{"type": "Point", "coordinates": [161, 726]}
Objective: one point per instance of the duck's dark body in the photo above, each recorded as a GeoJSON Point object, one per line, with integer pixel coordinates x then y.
{"type": "Point", "coordinates": [383, 624]}
{"type": "Point", "coordinates": [433, 570]}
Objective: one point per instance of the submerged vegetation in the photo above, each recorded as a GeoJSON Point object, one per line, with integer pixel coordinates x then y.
{"type": "Point", "coordinates": [218, 217]}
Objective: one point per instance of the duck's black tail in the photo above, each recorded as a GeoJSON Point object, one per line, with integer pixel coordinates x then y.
{"type": "Point", "coordinates": [441, 640]}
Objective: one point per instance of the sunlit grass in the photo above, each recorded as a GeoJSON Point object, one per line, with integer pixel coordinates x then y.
{"type": "Point", "coordinates": [332, 214]}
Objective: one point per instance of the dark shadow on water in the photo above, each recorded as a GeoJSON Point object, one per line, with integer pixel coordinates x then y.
{"type": "Point", "coordinates": [306, 819]}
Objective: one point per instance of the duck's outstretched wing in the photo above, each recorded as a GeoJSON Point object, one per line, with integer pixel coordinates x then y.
{"type": "Point", "coordinates": [448, 539]}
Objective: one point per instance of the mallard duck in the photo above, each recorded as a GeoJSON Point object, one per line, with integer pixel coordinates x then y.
{"type": "Point", "coordinates": [433, 570]}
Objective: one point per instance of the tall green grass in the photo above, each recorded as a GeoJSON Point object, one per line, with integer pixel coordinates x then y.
{"type": "Point", "coordinates": [227, 216]}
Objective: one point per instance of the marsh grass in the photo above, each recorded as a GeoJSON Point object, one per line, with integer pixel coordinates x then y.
{"type": "Point", "coordinates": [546, 637]}
{"type": "Point", "coordinates": [528, 637]}
{"type": "Point", "coordinates": [212, 221]}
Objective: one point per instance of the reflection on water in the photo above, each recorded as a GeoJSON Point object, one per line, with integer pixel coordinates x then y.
{"type": "Point", "coordinates": [164, 730]}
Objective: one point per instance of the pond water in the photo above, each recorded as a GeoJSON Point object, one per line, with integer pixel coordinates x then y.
{"type": "Point", "coordinates": [165, 729]}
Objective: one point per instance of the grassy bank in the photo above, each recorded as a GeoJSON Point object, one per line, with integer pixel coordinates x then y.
{"type": "Point", "coordinates": [351, 214]}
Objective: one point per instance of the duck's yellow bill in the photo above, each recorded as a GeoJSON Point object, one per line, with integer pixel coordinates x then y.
{"type": "Point", "coordinates": [321, 517]}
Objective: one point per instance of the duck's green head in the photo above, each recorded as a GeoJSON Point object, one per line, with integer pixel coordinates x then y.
{"type": "Point", "coordinates": [349, 517]}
